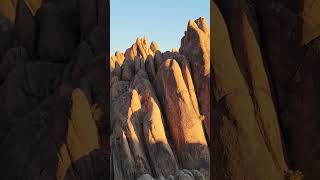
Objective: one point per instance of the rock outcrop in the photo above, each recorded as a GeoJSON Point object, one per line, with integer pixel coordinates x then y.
{"type": "Point", "coordinates": [53, 121]}
{"type": "Point", "coordinates": [159, 125]}
{"type": "Point", "coordinates": [241, 128]}
{"type": "Point", "coordinates": [265, 67]}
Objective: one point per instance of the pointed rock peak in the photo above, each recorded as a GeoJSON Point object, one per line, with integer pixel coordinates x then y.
{"type": "Point", "coordinates": [200, 20]}
{"type": "Point", "coordinates": [198, 25]}
{"type": "Point", "coordinates": [154, 47]}
{"type": "Point", "coordinates": [145, 40]}
{"type": "Point", "coordinates": [191, 23]}
{"type": "Point", "coordinates": [117, 53]}
{"type": "Point", "coordinates": [137, 41]}
{"type": "Point", "coordinates": [202, 24]}
{"type": "Point", "coordinates": [142, 41]}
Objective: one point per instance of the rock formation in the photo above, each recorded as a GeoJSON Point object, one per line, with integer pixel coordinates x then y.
{"type": "Point", "coordinates": [53, 90]}
{"type": "Point", "coordinates": [160, 106]}
{"type": "Point", "coordinates": [265, 89]}
{"type": "Point", "coordinates": [253, 103]}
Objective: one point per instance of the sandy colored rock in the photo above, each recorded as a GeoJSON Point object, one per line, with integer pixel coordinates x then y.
{"type": "Point", "coordinates": [82, 135]}
{"type": "Point", "coordinates": [187, 77]}
{"type": "Point", "coordinates": [134, 134]}
{"type": "Point", "coordinates": [311, 20]}
{"type": "Point", "coordinates": [127, 122]}
{"type": "Point", "coordinates": [115, 67]}
{"type": "Point", "coordinates": [120, 57]}
{"type": "Point", "coordinates": [161, 156]}
{"type": "Point", "coordinates": [118, 88]}
{"type": "Point", "coordinates": [8, 9]}
{"type": "Point", "coordinates": [131, 52]}
{"type": "Point", "coordinates": [235, 127]}
{"type": "Point", "coordinates": [184, 124]}
{"type": "Point", "coordinates": [172, 136]}
{"type": "Point", "coordinates": [248, 55]}
{"type": "Point", "coordinates": [143, 47]}
{"type": "Point", "coordinates": [195, 46]}
{"type": "Point", "coordinates": [154, 47]}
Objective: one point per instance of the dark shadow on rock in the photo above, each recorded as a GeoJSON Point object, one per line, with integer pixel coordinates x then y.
{"type": "Point", "coordinates": [6, 35]}
{"type": "Point", "coordinates": [292, 71]}
{"type": "Point", "coordinates": [58, 33]}
{"type": "Point", "coordinates": [90, 167]}
{"type": "Point", "coordinates": [35, 88]}
{"type": "Point", "coordinates": [29, 149]}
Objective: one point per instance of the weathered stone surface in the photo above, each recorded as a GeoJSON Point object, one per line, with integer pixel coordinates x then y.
{"type": "Point", "coordinates": [82, 134]}
{"type": "Point", "coordinates": [161, 156]}
{"type": "Point", "coordinates": [187, 77]}
{"type": "Point", "coordinates": [237, 129]}
{"type": "Point", "coordinates": [183, 121]}
{"type": "Point", "coordinates": [146, 177]}
{"type": "Point", "coordinates": [195, 46]}
{"type": "Point", "coordinates": [53, 92]}
{"type": "Point", "coordinates": [249, 58]}
{"type": "Point", "coordinates": [290, 30]}
{"type": "Point", "coordinates": [128, 69]}
{"type": "Point", "coordinates": [311, 20]}
{"type": "Point", "coordinates": [118, 88]}
{"type": "Point", "coordinates": [163, 131]}
{"type": "Point", "coordinates": [131, 52]}
{"type": "Point", "coordinates": [142, 47]}
{"type": "Point", "coordinates": [154, 47]}
{"type": "Point", "coordinates": [8, 9]}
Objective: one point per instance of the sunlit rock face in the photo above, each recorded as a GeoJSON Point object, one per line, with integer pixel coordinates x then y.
{"type": "Point", "coordinates": [159, 125]}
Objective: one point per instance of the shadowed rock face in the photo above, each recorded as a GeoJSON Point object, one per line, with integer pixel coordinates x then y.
{"type": "Point", "coordinates": [238, 129]}
{"type": "Point", "coordinates": [53, 90]}
{"type": "Point", "coordinates": [265, 73]}
{"type": "Point", "coordinates": [158, 129]}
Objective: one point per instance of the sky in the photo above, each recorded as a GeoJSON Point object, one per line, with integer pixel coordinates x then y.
{"type": "Point", "coordinates": [162, 21]}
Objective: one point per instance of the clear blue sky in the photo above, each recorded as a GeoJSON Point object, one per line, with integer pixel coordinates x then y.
{"type": "Point", "coordinates": [162, 21]}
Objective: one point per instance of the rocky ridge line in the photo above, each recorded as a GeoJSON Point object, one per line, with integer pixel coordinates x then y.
{"type": "Point", "coordinates": [160, 109]}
